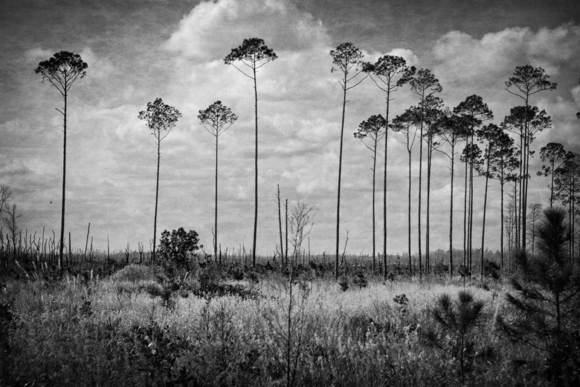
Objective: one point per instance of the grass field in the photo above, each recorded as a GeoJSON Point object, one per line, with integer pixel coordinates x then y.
{"type": "Point", "coordinates": [141, 327]}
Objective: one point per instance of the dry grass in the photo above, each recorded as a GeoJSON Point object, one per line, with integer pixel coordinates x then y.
{"type": "Point", "coordinates": [315, 335]}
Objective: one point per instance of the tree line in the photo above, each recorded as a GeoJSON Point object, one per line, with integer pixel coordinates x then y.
{"type": "Point", "coordinates": [499, 152]}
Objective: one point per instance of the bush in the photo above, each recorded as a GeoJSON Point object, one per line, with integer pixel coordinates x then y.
{"type": "Point", "coordinates": [458, 328]}
{"type": "Point", "coordinates": [175, 246]}
{"type": "Point", "coordinates": [546, 309]}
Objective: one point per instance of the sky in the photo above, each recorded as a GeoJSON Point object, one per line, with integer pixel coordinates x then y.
{"type": "Point", "coordinates": [140, 50]}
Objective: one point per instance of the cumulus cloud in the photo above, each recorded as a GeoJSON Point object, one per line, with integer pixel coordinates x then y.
{"type": "Point", "coordinates": [203, 32]}
{"type": "Point", "coordinates": [463, 59]}
{"type": "Point", "coordinates": [406, 54]}
{"type": "Point", "coordinates": [37, 54]}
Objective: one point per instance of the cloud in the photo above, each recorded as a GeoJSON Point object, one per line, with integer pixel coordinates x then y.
{"type": "Point", "coordinates": [464, 60]}
{"type": "Point", "coordinates": [576, 95]}
{"type": "Point", "coordinates": [406, 54]}
{"type": "Point", "coordinates": [37, 54]}
{"type": "Point", "coordinates": [209, 26]}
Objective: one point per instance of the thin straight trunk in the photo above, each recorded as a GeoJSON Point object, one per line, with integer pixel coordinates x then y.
{"type": "Point", "coordinates": [501, 215]}
{"type": "Point", "coordinates": [156, 193]}
{"type": "Point", "coordinates": [280, 226]}
{"type": "Point", "coordinates": [256, 169]}
{"type": "Point", "coordinates": [215, 247]}
{"type": "Point", "coordinates": [573, 228]}
{"type": "Point", "coordinates": [524, 192]}
{"type": "Point", "coordinates": [519, 217]}
{"type": "Point", "coordinates": [286, 232]}
{"type": "Point", "coordinates": [465, 217]}
{"type": "Point", "coordinates": [429, 156]}
{"type": "Point", "coordinates": [516, 236]}
{"type": "Point", "coordinates": [420, 184]}
{"type": "Point", "coordinates": [385, 185]}
{"type": "Point", "coordinates": [552, 187]}
{"type": "Point", "coordinates": [484, 210]}
{"type": "Point", "coordinates": [470, 241]}
{"type": "Point", "coordinates": [570, 224]}
{"type": "Point", "coordinates": [409, 216]}
{"type": "Point", "coordinates": [65, 95]}
{"type": "Point", "coordinates": [374, 221]}
{"type": "Point", "coordinates": [451, 213]}
{"type": "Point", "coordinates": [339, 178]}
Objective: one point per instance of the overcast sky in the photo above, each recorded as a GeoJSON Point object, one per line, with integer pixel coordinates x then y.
{"type": "Point", "coordinates": [139, 50]}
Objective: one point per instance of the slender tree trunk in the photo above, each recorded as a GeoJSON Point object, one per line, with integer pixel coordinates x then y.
{"type": "Point", "coordinates": [516, 236]}
{"type": "Point", "coordinates": [429, 158]}
{"type": "Point", "coordinates": [61, 247]}
{"type": "Point", "coordinates": [215, 248]}
{"type": "Point", "coordinates": [470, 240]}
{"type": "Point", "coordinates": [552, 184]}
{"type": "Point", "coordinates": [280, 226]}
{"type": "Point", "coordinates": [484, 212]}
{"type": "Point", "coordinates": [570, 216]}
{"type": "Point", "coordinates": [409, 216]}
{"type": "Point", "coordinates": [256, 169]}
{"type": "Point", "coordinates": [420, 185]}
{"type": "Point", "coordinates": [339, 178]}
{"type": "Point", "coordinates": [519, 217]}
{"type": "Point", "coordinates": [385, 185]}
{"type": "Point", "coordinates": [466, 192]}
{"type": "Point", "coordinates": [374, 221]}
{"type": "Point", "coordinates": [524, 192]}
{"type": "Point", "coordinates": [286, 232]}
{"type": "Point", "coordinates": [156, 193]}
{"type": "Point", "coordinates": [501, 215]}
{"type": "Point", "coordinates": [573, 229]}
{"type": "Point", "coordinates": [451, 213]}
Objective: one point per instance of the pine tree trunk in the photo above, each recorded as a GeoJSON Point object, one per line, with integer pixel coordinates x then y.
{"type": "Point", "coordinates": [465, 216]}
{"type": "Point", "coordinates": [409, 217]}
{"type": "Point", "coordinates": [420, 185]}
{"type": "Point", "coordinates": [524, 191]}
{"type": "Point", "coordinates": [451, 213]}
{"type": "Point", "coordinates": [484, 213]}
{"type": "Point", "coordinates": [339, 178]}
{"type": "Point", "coordinates": [519, 217]}
{"type": "Point", "coordinates": [156, 193]}
{"type": "Point", "coordinates": [470, 239]}
{"type": "Point", "coordinates": [61, 247]}
{"type": "Point", "coordinates": [374, 222]}
{"type": "Point", "coordinates": [429, 156]}
{"type": "Point", "coordinates": [280, 226]}
{"type": "Point", "coordinates": [215, 249]}
{"type": "Point", "coordinates": [502, 221]}
{"type": "Point", "coordinates": [385, 185]}
{"type": "Point", "coordinates": [256, 173]}
{"type": "Point", "coordinates": [552, 187]}
{"type": "Point", "coordinates": [286, 232]}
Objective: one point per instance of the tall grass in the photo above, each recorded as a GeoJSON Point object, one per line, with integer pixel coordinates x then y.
{"type": "Point", "coordinates": [105, 331]}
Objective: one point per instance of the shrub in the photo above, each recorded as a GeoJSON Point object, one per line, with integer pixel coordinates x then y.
{"type": "Point", "coordinates": [343, 283]}
{"type": "Point", "coordinates": [174, 246]}
{"type": "Point", "coordinates": [360, 280]}
{"type": "Point", "coordinates": [546, 307]}
{"type": "Point", "coordinates": [458, 323]}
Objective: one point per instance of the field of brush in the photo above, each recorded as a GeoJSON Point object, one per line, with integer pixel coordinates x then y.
{"type": "Point", "coordinates": [229, 327]}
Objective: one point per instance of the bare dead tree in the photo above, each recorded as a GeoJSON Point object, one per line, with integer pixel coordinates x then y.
{"type": "Point", "coordinates": [301, 223]}
{"type": "Point", "coordinates": [11, 222]}
{"type": "Point", "coordinates": [5, 197]}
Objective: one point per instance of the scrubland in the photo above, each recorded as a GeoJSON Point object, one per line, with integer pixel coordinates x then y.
{"type": "Point", "coordinates": [237, 326]}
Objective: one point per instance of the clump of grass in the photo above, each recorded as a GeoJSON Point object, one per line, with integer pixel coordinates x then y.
{"type": "Point", "coordinates": [133, 273]}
